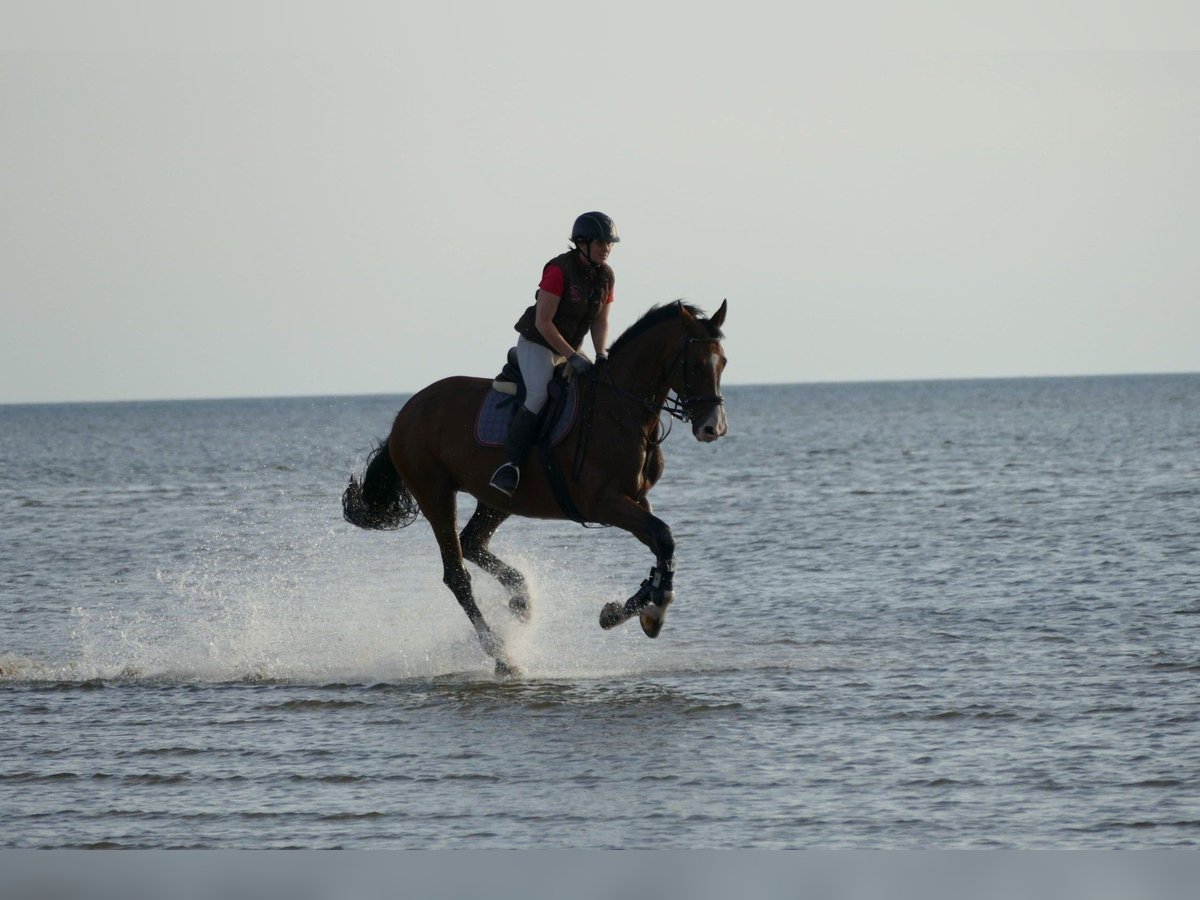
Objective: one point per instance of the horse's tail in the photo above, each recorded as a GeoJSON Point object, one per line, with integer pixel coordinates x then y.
{"type": "Point", "coordinates": [381, 501]}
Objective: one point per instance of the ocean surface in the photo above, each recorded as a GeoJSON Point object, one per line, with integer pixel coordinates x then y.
{"type": "Point", "coordinates": [911, 615]}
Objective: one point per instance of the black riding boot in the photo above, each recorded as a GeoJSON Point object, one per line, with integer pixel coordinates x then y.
{"type": "Point", "coordinates": [520, 435]}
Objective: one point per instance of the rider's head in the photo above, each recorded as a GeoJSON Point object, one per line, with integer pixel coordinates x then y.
{"type": "Point", "coordinates": [594, 234]}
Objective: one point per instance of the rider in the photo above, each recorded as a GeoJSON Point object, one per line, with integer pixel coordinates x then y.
{"type": "Point", "coordinates": [572, 300]}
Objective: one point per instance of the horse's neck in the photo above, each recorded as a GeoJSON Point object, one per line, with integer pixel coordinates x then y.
{"type": "Point", "coordinates": [640, 369]}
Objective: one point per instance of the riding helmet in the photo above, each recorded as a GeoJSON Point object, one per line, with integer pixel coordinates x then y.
{"type": "Point", "coordinates": [594, 226]}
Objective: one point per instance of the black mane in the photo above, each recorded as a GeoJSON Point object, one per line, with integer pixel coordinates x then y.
{"type": "Point", "coordinates": [660, 313]}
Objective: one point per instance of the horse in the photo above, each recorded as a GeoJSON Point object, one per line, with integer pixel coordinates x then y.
{"type": "Point", "coordinates": [614, 452]}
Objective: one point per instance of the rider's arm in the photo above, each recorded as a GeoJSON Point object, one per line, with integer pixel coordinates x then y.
{"type": "Point", "coordinates": [547, 306]}
{"type": "Point", "coordinates": [600, 330]}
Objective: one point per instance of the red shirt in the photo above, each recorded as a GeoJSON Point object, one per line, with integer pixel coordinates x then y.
{"type": "Point", "coordinates": [552, 283]}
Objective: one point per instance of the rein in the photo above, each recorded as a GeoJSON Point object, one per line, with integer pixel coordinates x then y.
{"type": "Point", "coordinates": [681, 407]}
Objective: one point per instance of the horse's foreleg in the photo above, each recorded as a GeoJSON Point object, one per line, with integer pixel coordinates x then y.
{"type": "Point", "coordinates": [440, 512]}
{"type": "Point", "coordinates": [655, 594]}
{"type": "Point", "coordinates": [474, 540]}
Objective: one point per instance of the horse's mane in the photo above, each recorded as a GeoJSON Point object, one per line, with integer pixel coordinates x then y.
{"type": "Point", "coordinates": [664, 312]}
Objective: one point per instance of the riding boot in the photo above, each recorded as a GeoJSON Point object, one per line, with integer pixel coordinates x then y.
{"type": "Point", "coordinates": [520, 435]}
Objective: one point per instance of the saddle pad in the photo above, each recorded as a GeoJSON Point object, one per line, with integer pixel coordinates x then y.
{"type": "Point", "coordinates": [497, 409]}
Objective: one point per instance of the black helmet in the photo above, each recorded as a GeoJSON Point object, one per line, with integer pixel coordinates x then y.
{"type": "Point", "coordinates": [594, 226]}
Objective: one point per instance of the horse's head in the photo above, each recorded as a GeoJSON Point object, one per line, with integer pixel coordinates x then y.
{"type": "Point", "coordinates": [696, 379]}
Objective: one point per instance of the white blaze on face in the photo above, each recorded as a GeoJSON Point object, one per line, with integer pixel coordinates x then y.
{"type": "Point", "coordinates": [714, 425]}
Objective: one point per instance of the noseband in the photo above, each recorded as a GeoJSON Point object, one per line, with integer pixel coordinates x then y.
{"type": "Point", "coordinates": [683, 406]}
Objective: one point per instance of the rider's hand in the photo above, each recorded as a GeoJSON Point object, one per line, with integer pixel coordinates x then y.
{"type": "Point", "coordinates": [580, 363]}
{"type": "Point", "coordinates": [601, 357]}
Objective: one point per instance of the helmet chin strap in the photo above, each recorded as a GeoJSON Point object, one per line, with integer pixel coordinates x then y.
{"type": "Point", "coordinates": [586, 251]}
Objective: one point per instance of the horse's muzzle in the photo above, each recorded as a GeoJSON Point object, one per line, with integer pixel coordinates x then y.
{"type": "Point", "coordinates": [712, 427]}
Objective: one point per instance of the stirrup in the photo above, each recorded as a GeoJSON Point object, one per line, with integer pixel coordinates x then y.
{"type": "Point", "coordinates": [504, 482]}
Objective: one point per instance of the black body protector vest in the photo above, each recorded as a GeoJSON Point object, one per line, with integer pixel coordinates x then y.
{"type": "Point", "coordinates": [585, 289]}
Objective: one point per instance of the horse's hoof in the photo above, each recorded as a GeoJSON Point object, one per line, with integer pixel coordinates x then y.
{"type": "Point", "coordinates": [519, 607]}
{"type": "Point", "coordinates": [507, 669]}
{"type": "Point", "coordinates": [652, 615]}
{"type": "Point", "coordinates": [612, 615]}
{"type": "Point", "coordinates": [651, 618]}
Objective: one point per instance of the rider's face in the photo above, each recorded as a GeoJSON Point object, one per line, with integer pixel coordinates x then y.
{"type": "Point", "coordinates": [597, 251]}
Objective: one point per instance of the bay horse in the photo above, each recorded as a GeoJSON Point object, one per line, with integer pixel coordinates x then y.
{"type": "Point", "coordinates": [613, 451]}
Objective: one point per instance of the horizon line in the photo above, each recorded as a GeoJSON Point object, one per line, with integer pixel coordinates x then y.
{"type": "Point", "coordinates": [757, 384]}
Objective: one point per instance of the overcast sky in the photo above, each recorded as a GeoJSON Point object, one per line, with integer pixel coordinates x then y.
{"type": "Point", "coordinates": [257, 199]}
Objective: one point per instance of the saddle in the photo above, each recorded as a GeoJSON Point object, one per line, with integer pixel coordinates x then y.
{"type": "Point", "coordinates": [508, 393]}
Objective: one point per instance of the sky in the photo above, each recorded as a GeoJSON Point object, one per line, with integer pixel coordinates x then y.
{"type": "Point", "coordinates": [230, 199]}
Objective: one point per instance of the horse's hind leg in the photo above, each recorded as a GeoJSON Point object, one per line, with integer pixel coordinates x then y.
{"type": "Point", "coordinates": [439, 508]}
{"type": "Point", "coordinates": [474, 541]}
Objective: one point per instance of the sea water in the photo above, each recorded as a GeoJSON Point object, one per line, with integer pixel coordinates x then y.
{"type": "Point", "coordinates": [927, 614]}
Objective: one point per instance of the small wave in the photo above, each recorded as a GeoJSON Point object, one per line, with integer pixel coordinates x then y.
{"type": "Point", "coordinates": [937, 783]}
{"type": "Point", "coordinates": [1178, 494]}
{"type": "Point", "coordinates": [1187, 719]}
{"type": "Point", "coordinates": [36, 777]}
{"type": "Point", "coordinates": [1136, 824]}
{"type": "Point", "coordinates": [950, 715]}
{"type": "Point", "coordinates": [165, 751]}
{"type": "Point", "coordinates": [176, 778]}
{"type": "Point", "coordinates": [1049, 636]}
{"type": "Point", "coordinates": [656, 777]}
{"type": "Point", "coordinates": [1047, 783]}
{"type": "Point", "coordinates": [300, 705]}
{"type": "Point", "coordinates": [1154, 783]}
{"type": "Point", "coordinates": [470, 776]}
{"type": "Point", "coordinates": [92, 684]}
{"type": "Point", "coordinates": [1180, 666]}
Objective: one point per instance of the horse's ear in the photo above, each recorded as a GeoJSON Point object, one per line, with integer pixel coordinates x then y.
{"type": "Point", "coordinates": [719, 318]}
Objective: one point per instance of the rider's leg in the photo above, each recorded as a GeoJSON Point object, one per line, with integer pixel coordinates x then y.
{"type": "Point", "coordinates": [537, 366]}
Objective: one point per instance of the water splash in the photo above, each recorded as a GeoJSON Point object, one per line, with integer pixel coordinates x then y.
{"type": "Point", "coordinates": [330, 608]}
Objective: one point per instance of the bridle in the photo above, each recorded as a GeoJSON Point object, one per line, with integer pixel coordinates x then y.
{"type": "Point", "coordinates": [683, 405]}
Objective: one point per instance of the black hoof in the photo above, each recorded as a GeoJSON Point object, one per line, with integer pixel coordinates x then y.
{"type": "Point", "coordinates": [507, 669]}
{"type": "Point", "coordinates": [519, 607]}
{"type": "Point", "coordinates": [613, 614]}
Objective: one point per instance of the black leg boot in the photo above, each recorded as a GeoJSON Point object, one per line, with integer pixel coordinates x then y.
{"type": "Point", "coordinates": [520, 435]}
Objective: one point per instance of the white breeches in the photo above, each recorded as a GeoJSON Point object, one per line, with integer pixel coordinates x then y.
{"type": "Point", "coordinates": [537, 365]}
